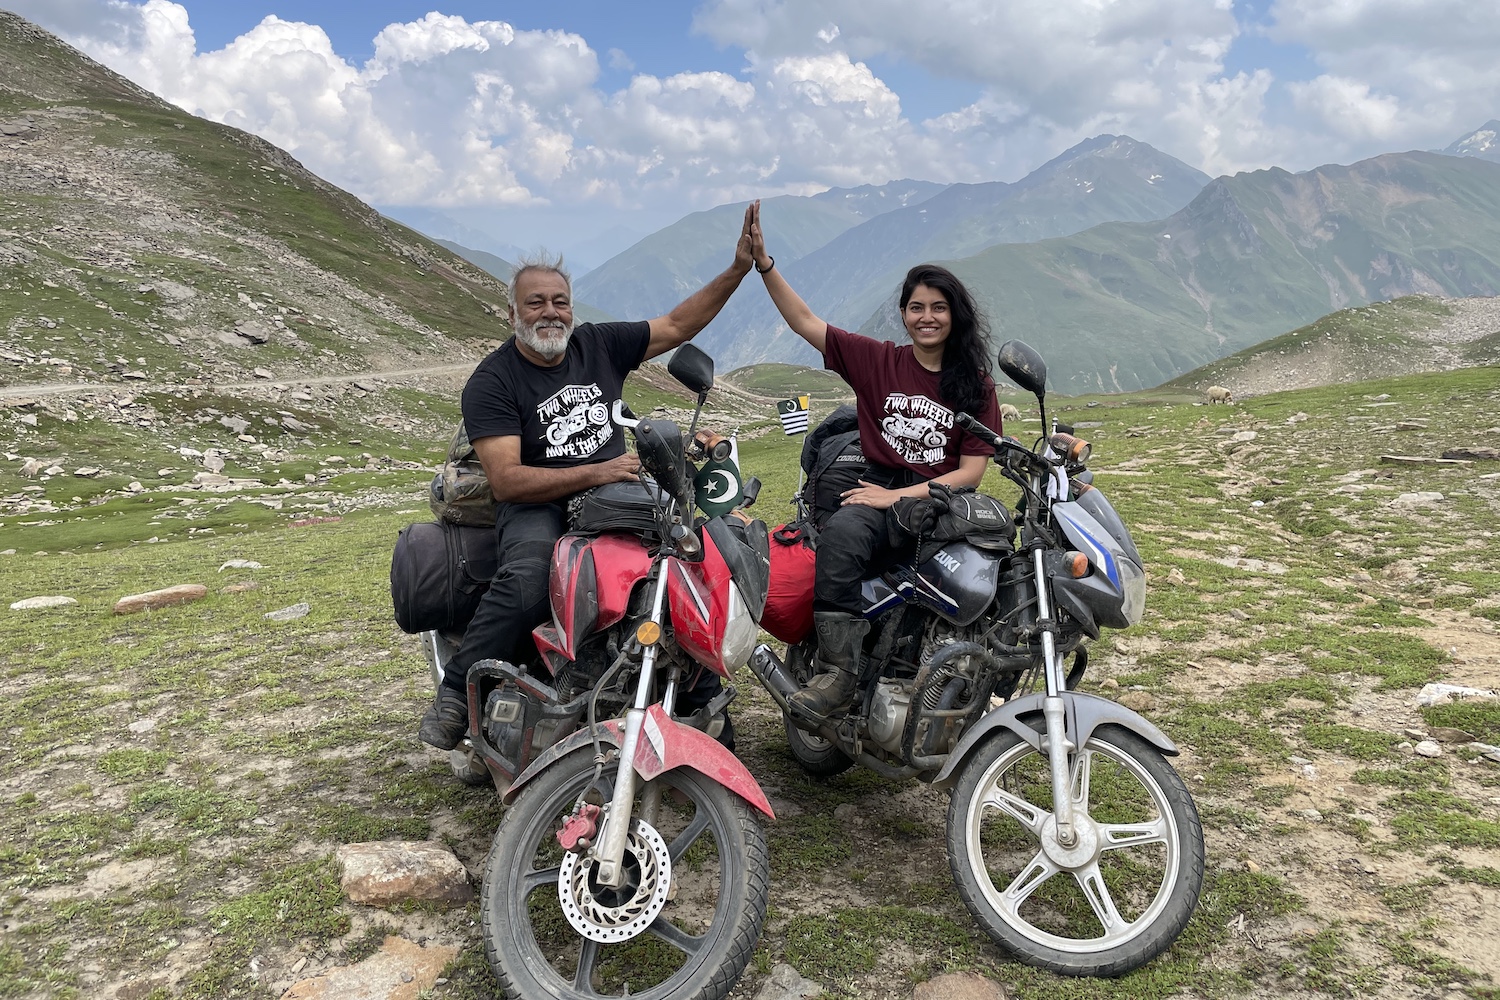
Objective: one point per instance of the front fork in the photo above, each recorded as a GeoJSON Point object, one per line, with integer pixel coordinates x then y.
{"type": "Point", "coordinates": [1057, 743]}
{"type": "Point", "coordinates": [609, 850]}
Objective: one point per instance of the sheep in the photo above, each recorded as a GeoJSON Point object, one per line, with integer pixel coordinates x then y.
{"type": "Point", "coordinates": [1009, 413]}
{"type": "Point", "coordinates": [1218, 394]}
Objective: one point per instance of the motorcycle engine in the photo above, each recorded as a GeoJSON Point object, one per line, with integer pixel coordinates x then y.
{"type": "Point", "coordinates": [888, 710]}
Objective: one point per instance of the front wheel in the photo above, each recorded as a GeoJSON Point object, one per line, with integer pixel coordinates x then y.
{"type": "Point", "coordinates": [683, 924]}
{"type": "Point", "coordinates": [1109, 903]}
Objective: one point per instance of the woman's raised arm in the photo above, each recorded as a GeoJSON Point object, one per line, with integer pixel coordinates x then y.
{"type": "Point", "coordinates": [803, 321]}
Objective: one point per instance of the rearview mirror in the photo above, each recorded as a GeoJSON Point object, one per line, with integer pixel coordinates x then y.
{"type": "Point", "coordinates": [693, 368]}
{"type": "Point", "coordinates": [1024, 367]}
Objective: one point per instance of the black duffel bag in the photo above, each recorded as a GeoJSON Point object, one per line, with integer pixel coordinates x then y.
{"type": "Point", "coordinates": [439, 571]}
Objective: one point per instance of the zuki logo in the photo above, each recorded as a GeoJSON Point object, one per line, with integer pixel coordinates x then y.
{"type": "Point", "coordinates": [916, 428]}
{"type": "Point", "coordinates": [577, 421]}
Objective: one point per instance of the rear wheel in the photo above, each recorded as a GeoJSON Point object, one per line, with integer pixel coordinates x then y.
{"type": "Point", "coordinates": [683, 924]}
{"type": "Point", "coordinates": [1113, 900]}
{"type": "Point", "coordinates": [817, 756]}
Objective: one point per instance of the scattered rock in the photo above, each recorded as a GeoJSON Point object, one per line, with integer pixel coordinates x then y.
{"type": "Point", "coordinates": [1480, 454]}
{"type": "Point", "coordinates": [264, 373]}
{"type": "Point", "coordinates": [1175, 577]}
{"type": "Point", "coordinates": [151, 600]}
{"type": "Point", "coordinates": [1447, 734]}
{"type": "Point", "coordinates": [1137, 701]}
{"type": "Point", "coordinates": [289, 613]}
{"type": "Point", "coordinates": [960, 986]}
{"type": "Point", "coordinates": [400, 970]}
{"type": "Point", "coordinates": [213, 462]}
{"type": "Point", "coordinates": [239, 588]}
{"type": "Point", "coordinates": [786, 983]}
{"type": "Point", "coordinates": [31, 468]}
{"type": "Point", "coordinates": [1417, 499]}
{"type": "Point", "coordinates": [1251, 866]}
{"type": "Point", "coordinates": [1428, 748]}
{"type": "Point", "coordinates": [240, 564]}
{"type": "Point", "coordinates": [87, 472]}
{"type": "Point", "coordinates": [1109, 684]}
{"type": "Point", "coordinates": [140, 726]}
{"type": "Point", "coordinates": [235, 424]}
{"type": "Point", "coordinates": [382, 873]}
{"type": "Point", "coordinates": [1442, 694]}
{"type": "Point", "coordinates": [36, 603]}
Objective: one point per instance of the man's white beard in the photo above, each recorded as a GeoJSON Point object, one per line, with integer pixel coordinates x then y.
{"type": "Point", "coordinates": [549, 337]}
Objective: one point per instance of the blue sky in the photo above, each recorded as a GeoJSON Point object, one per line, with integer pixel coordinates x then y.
{"type": "Point", "coordinates": [554, 122]}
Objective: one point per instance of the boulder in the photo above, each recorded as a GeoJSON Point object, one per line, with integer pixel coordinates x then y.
{"type": "Point", "coordinates": [400, 970]}
{"type": "Point", "coordinates": [184, 593]}
{"type": "Point", "coordinates": [36, 603]}
{"type": "Point", "coordinates": [382, 873]}
{"type": "Point", "coordinates": [960, 986]}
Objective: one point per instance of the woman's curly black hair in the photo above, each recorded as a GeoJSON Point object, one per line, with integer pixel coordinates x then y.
{"type": "Point", "coordinates": [964, 383]}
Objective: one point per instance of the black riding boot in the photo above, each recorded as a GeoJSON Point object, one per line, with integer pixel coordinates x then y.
{"type": "Point", "coordinates": [841, 639]}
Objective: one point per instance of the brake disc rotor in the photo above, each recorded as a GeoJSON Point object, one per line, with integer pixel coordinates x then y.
{"type": "Point", "coordinates": [608, 915]}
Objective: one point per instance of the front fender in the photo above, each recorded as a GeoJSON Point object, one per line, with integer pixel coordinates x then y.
{"type": "Point", "coordinates": [665, 745]}
{"type": "Point", "coordinates": [1083, 714]}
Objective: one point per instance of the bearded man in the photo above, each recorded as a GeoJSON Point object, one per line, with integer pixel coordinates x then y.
{"type": "Point", "coordinates": [537, 412]}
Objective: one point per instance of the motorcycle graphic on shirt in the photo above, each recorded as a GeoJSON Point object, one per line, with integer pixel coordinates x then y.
{"type": "Point", "coordinates": [577, 421]}
{"type": "Point", "coordinates": [916, 428]}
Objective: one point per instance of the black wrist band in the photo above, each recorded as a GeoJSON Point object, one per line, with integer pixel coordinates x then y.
{"type": "Point", "coordinates": [767, 268]}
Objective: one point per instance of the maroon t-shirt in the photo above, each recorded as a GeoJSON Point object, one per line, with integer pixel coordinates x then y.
{"type": "Point", "coordinates": [903, 423]}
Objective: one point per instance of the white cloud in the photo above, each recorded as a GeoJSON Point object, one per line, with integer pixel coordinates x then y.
{"type": "Point", "coordinates": [1349, 107]}
{"type": "Point", "coordinates": [452, 112]}
{"type": "Point", "coordinates": [1417, 72]}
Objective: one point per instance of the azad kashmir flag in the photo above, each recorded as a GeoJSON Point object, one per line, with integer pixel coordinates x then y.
{"type": "Point", "coordinates": [794, 414]}
{"type": "Point", "coordinates": [718, 485]}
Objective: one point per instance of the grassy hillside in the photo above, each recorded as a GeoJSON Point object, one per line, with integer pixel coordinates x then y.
{"type": "Point", "coordinates": [1133, 305]}
{"type": "Point", "coordinates": [136, 237]}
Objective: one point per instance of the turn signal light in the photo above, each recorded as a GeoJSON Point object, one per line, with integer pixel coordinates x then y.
{"type": "Point", "coordinates": [1077, 564]}
{"type": "Point", "coordinates": [648, 633]}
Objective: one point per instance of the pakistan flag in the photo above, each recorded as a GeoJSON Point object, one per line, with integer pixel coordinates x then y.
{"type": "Point", "coordinates": [718, 485]}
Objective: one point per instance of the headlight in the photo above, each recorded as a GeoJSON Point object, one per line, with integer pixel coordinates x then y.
{"type": "Point", "coordinates": [740, 632]}
{"type": "Point", "coordinates": [1133, 590]}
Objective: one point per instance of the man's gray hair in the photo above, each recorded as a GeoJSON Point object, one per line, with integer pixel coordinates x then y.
{"type": "Point", "coordinates": [543, 260]}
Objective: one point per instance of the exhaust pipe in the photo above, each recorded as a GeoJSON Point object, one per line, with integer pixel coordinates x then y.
{"type": "Point", "coordinates": [773, 675]}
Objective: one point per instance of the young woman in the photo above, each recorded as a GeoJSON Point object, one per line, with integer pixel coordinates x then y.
{"type": "Point", "coordinates": [907, 397]}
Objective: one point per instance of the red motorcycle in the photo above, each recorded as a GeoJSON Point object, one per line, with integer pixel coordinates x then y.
{"type": "Point", "coordinates": [631, 859]}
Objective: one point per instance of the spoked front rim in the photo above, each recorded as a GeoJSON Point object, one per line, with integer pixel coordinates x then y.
{"type": "Point", "coordinates": [647, 938]}
{"type": "Point", "coordinates": [1121, 870]}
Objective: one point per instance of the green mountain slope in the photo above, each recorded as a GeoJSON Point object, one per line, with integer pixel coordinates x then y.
{"type": "Point", "coordinates": [140, 242]}
{"type": "Point", "coordinates": [1104, 179]}
{"type": "Point", "coordinates": [1130, 305]}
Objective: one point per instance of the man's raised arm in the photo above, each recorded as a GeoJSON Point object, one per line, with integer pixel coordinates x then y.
{"type": "Point", "coordinates": [697, 310]}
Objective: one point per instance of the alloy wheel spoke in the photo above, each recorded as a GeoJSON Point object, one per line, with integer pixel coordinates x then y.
{"type": "Point", "coordinates": [1029, 816]}
{"type": "Point", "coordinates": [535, 879]}
{"type": "Point", "coordinates": [1091, 881]}
{"type": "Point", "coordinates": [1083, 766]}
{"type": "Point", "coordinates": [689, 834]}
{"type": "Point", "coordinates": [673, 935]}
{"type": "Point", "coordinates": [1038, 870]}
{"type": "Point", "coordinates": [588, 955]}
{"type": "Point", "coordinates": [1113, 836]}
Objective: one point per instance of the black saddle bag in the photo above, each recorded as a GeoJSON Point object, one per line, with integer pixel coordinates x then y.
{"type": "Point", "coordinates": [439, 571]}
{"type": "Point", "coordinates": [627, 506]}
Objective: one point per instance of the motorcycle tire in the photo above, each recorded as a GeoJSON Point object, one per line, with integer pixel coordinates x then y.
{"type": "Point", "coordinates": [698, 943]}
{"type": "Point", "coordinates": [816, 756]}
{"type": "Point", "coordinates": [468, 767]}
{"type": "Point", "coordinates": [1096, 910]}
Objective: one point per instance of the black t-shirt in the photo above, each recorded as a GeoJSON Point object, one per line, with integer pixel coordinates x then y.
{"type": "Point", "coordinates": [561, 414]}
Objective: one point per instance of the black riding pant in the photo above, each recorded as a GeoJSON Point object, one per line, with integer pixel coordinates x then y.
{"type": "Point", "coordinates": [854, 545]}
{"type": "Point", "coordinates": [517, 600]}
